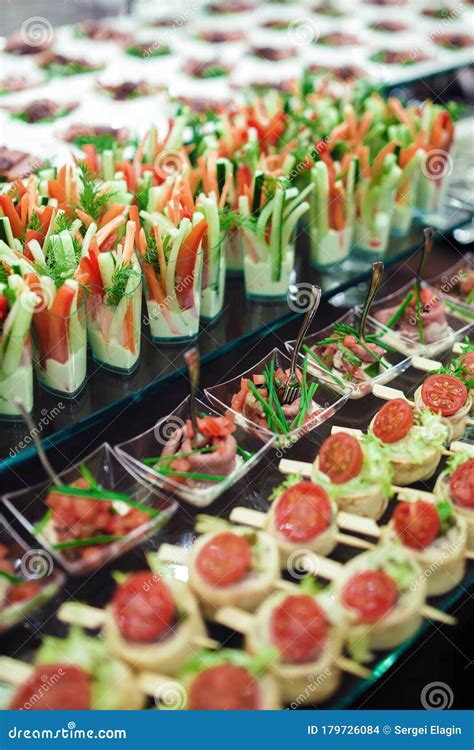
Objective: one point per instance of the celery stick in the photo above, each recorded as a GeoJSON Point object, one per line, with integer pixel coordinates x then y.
{"type": "Point", "coordinates": [107, 164]}
{"type": "Point", "coordinates": [22, 312]}
{"type": "Point", "coordinates": [107, 268]}
{"type": "Point", "coordinates": [67, 247]}
{"type": "Point", "coordinates": [175, 138]}
{"type": "Point", "coordinates": [36, 251]}
{"type": "Point", "coordinates": [292, 204]}
{"type": "Point", "coordinates": [320, 178]}
{"type": "Point", "coordinates": [6, 233]}
{"type": "Point", "coordinates": [264, 218]}
{"type": "Point", "coordinates": [91, 230]}
{"type": "Point", "coordinates": [290, 224]}
{"type": "Point", "coordinates": [76, 336]}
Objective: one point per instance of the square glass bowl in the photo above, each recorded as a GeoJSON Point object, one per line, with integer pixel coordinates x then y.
{"type": "Point", "coordinates": [150, 444]}
{"type": "Point", "coordinates": [398, 339]}
{"type": "Point", "coordinates": [31, 565]}
{"type": "Point", "coordinates": [326, 402]}
{"type": "Point", "coordinates": [111, 473]}
{"type": "Point", "coordinates": [396, 362]}
{"type": "Point", "coordinates": [447, 283]}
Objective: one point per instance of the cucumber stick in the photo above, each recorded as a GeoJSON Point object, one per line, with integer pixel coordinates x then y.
{"type": "Point", "coordinates": [76, 337]}
{"type": "Point", "coordinates": [12, 347]}
{"type": "Point", "coordinates": [107, 268]}
{"type": "Point", "coordinates": [276, 234]}
{"type": "Point", "coordinates": [320, 198]}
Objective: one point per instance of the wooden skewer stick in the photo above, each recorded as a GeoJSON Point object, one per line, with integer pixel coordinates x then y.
{"type": "Point", "coordinates": [388, 394]}
{"type": "Point", "coordinates": [241, 621]}
{"type": "Point", "coordinates": [150, 683]}
{"type": "Point", "coordinates": [76, 613]}
{"type": "Point", "coordinates": [349, 430]}
{"type": "Point", "coordinates": [14, 671]}
{"type": "Point", "coordinates": [424, 364]}
{"type": "Point", "coordinates": [431, 613]}
{"type": "Point", "coordinates": [256, 519]}
{"type": "Point", "coordinates": [287, 466]}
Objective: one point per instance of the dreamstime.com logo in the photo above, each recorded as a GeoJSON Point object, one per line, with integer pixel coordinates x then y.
{"type": "Point", "coordinates": [71, 732]}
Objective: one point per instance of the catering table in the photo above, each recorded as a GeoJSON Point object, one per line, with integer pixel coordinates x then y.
{"type": "Point", "coordinates": [441, 653]}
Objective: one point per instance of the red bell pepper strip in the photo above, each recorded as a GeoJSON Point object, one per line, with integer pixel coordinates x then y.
{"type": "Point", "coordinates": [59, 323]}
{"type": "Point", "coordinates": [9, 211]}
{"type": "Point", "coordinates": [186, 263]}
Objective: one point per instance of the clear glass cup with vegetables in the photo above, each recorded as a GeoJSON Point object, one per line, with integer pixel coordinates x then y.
{"type": "Point", "coordinates": [17, 304]}
{"type": "Point", "coordinates": [114, 307]}
{"type": "Point", "coordinates": [331, 215]}
{"type": "Point", "coordinates": [268, 224]}
{"type": "Point", "coordinates": [375, 200]}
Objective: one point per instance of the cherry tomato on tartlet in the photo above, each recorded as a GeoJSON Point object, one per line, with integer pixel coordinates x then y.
{"type": "Point", "coordinates": [225, 687]}
{"type": "Point", "coordinates": [68, 688]}
{"type": "Point", "coordinates": [417, 524]}
{"type": "Point", "coordinates": [444, 394]}
{"type": "Point", "coordinates": [144, 608]}
{"type": "Point", "coordinates": [461, 484]}
{"type": "Point", "coordinates": [299, 628]}
{"type": "Point", "coordinates": [394, 421]}
{"type": "Point", "coordinates": [372, 594]}
{"type": "Point", "coordinates": [341, 457]}
{"type": "Point", "coordinates": [225, 559]}
{"type": "Point", "coordinates": [303, 511]}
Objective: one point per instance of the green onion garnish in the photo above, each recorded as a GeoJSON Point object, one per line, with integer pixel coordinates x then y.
{"type": "Point", "coordinates": [398, 313]}
{"type": "Point", "coordinates": [15, 580]}
{"type": "Point", "coordinates": [88, 541]}
{"type": "Point", "coordinates": [157, 459]}
{"type": "Point", "coordinates": [191, 475]}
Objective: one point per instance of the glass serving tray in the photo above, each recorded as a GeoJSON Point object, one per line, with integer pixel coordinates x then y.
{"type": "Point", "coordinates": [107, 394]}
{"type": "Point", "coordinates": [251, 491]}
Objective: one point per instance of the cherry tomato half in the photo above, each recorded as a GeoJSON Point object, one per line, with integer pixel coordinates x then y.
{"type": "Point", "coordinates": [224, 688]}
{"type": "Point", "coordinates": [417, 524]}
{"type": "Point", "coordinates": [341, 457]}
{"type": "Point", "coordinates": [444, 394]}
{"type": "Point", "coordinates": [143, 607]}
{"type": "Point", "coordinates": [394, 421]}
{"type": "Point", "coordinates": [54, 687]}
{"type": "Point", "coordinates": [303, 511]}
{"type": "Point", "coordinates": [226, 558]}
{"type": "Point", "coordinates": [299, 627]}
{"type": "Point", "coordinates": [372, 594]}
{"type": "Point", "coordinates": [461, 485]}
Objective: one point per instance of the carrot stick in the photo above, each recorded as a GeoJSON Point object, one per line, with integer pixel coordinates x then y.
{"type": "Point", "coordinates": [116, 210]}
{"type": "Point", "coordinates": [85, 218]}
{"type": "Point", "coordinates": [380, 158]}
{"type": "Point", "coordinates": [401, 114]}
{"type": "Point", "coordinates": [129, 244]}
{"type": "Point", "coordinates": [130, 328]}
{"type": "Point", "coordinates": [104, 231]}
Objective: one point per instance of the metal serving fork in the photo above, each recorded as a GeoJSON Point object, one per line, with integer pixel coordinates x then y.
{"type": "Point", "coordinates": [293, 388]}
{"type": "Point", "coordinates": [193, 365]}
{"type": "Point", "coordinates": [376, 280]}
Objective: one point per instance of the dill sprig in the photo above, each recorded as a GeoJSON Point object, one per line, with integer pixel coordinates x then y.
{"type": "Point", "coordinates": [120, 279]}
{"type": "Point", "coordinates": [92, 200]}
